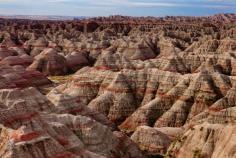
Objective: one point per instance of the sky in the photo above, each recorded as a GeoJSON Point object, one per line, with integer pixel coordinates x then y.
{"type": "Point", "coordinates": [117, 7]}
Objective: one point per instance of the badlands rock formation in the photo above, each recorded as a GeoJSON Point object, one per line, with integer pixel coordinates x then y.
{"type": "Point", "coordinates": [132, 87]}
{"type": "Point", "coordinates": [32, 126]}
{"type": "Point", "coordinates": [49, 62]}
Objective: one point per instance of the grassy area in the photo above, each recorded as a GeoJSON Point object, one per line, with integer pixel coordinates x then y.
{"type": "Point", "coordinates": [60, 79]}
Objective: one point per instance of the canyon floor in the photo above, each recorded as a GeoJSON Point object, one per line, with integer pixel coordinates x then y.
{"type": "Point", "coordinates": [118, 87]}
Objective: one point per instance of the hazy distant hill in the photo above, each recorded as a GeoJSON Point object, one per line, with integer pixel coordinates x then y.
{"type": "Point", "coordinates": [42, 17]}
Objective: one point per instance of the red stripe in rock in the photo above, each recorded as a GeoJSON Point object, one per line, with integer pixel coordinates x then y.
{"type": "Point", "coordinates": [63, 155]}
{"type": "Point", "coordinates": [17, 136]}
{"type": "Point", "coordinates": [18, 118]}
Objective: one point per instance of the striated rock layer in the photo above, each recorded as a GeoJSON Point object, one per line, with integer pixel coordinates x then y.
{"type": "Point", "coordinates": [129, 87]}
{"type": "Point", "coordinates": [32, 126]}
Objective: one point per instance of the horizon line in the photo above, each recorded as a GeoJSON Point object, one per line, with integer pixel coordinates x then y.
{"type": "Point", "coordinates": [58, 15]}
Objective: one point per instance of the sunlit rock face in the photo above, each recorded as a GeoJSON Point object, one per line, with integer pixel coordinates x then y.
{"type": "Point", "coordinates": [49, 62]}
{"type": "Point", "coordinates": [122, 87]}
{"type": "Point", "coordinates": [205, 140]}
{"type": "Point", "coordinates": [32, 125]}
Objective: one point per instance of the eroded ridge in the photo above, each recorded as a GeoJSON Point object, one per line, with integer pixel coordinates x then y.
{"type": "Point", "coordinates": [118, 87]}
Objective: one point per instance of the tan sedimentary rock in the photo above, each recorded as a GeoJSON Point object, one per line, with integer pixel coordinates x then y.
{"type": "Point", "coordinates": [205, 140]}
{"type": "Point", "coordinates": [49, 62]}
{"type": "Point", "coordinates": [77, 60]}
{"type": "Point", "coordinates": [155, 79]}
{"type": "Point", "coordinates": [151, 140]}
{"type": "Point", "coordinates": [23, 60]}
{"type": "Point", "coordinates": [29, 128]}
{"type": "Point", "coordinates": [17, 76]}
{"type": "Point", "coordinates": [4, 52]}
{"type": "Point", "coordinates": [156, 141]}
